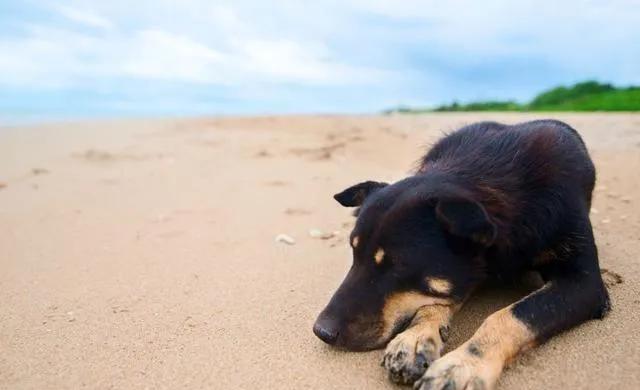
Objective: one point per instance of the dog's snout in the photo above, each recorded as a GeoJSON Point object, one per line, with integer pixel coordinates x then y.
{"type": "Point", "coordinates": [326, 329]}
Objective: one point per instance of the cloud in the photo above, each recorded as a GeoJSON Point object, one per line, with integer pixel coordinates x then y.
{"type": "Point", "coordinates": [231, 53]}
{"type": "Point", "coordinates": [86, 18]}
{"type": "Point", "coordinates": [157, 54]}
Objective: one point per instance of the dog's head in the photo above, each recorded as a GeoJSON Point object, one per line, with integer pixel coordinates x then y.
{"type": "Point", "coordinates": [416, 242]}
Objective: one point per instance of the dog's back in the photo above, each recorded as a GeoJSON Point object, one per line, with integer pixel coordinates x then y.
{"type": "Point", "coordinates": [531, 177]}
{"type": "Point", "coordinates": [522, 157]}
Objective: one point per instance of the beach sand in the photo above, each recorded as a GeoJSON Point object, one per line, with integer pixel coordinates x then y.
{"type": "Point", "coordinates": [141, 253]}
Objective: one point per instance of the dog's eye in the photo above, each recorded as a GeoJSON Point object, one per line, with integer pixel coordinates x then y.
{"type": "Point", "coordinates": [379, 257]}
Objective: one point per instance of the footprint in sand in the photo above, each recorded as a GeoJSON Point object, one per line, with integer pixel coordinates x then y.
{"type": "Point", "coordinates": [262, 154]}
{"type": "Point", "coordinates": [394, 133]}
{"type": "Point", "coordinates": [292, 211]}
{"type": "Point", "coordinates": [332, 137]}
{"type": "Point", "coordinates": [610, 278]}
{"type": "Point", "coordinates": [39, 171]}
{"type": "Point", "coordinates": [320, 153]}
{"type": "Point", "coordinates": [209, 143]}
{"type": "Point", "coordinates": [101, 156]}
{"type": "Point", "coordinates": [277, 183]}
{"type": "Point", "coordinates": [34, 172]}
{"type": "Point", "coordinates": [94, 155]}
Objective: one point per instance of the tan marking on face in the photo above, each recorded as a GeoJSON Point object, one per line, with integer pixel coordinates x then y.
{"type": "Point", "coordinates": [379, 256]}
{"type": "Point", "coordinates": [439, 285]}
{"type": "Point", "coordinates": [400, 305]}
{"type": "Point", "coordinates": [355, 241]}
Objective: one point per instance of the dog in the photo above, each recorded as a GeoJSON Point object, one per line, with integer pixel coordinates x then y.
{"type": "Point", "coordinates": [487, 202]}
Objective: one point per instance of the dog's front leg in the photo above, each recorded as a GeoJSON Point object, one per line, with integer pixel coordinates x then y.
{"type": "Point", "coordinates": [410, 353]}
{"type": "Point", "coordinates": [477, 364]}
{"type": "Point", "coordinates": [574, 293]}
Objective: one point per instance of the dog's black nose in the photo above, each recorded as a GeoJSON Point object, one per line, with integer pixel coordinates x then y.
{"type": "Point", "coordinates": [326, 330]}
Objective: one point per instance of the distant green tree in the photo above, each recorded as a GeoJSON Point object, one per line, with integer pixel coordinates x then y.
{"type": "Point", "coordinates": [480, 106]}
{"type": "Point", "coordinates": [563, 94]}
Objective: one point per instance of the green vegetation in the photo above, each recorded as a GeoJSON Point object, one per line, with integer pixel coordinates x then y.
{"type": "Point", "coordinates": [509, 105]}
{"type": "Point", "coordinates": [585, 96]}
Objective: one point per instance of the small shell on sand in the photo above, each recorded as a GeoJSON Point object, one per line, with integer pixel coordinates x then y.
{"type": "Point", "coordinates": [2, 185]}
{"type": "Point", "coordinates": [285, 239]}
{"type": "Point", "coordinates": [317, 233]}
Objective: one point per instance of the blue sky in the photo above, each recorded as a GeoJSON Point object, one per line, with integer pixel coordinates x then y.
{"type": "Point", "coordinates": [75, 59]}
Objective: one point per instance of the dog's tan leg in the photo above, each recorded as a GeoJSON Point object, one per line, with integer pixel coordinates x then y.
{"type": "Point", "coordinates": [573, 294]}
{"type": "Point", "coordinates": [477, 363]}
{"type": "Point", "coordinates": [410, 353]}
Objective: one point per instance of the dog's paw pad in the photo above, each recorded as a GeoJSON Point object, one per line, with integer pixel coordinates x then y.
{"type": "Point", "coordinates": [406, 358]}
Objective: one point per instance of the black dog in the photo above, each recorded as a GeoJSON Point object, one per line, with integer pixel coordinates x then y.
{"type": "Point", "coordinates": [488, 201]}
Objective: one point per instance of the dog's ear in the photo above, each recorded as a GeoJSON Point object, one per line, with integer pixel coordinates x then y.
{"type": "Point", "coordinates": [467, 219]}
{"type": "Point", "coordinates": [355, 195]}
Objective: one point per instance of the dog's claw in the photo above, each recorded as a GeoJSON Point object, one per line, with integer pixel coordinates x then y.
{"type": "Point", "coordinates": [450, 385]}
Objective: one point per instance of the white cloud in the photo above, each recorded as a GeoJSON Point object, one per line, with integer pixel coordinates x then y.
{"type": "Point", "coordinates": [84, 17]}
{"type": "Point", "coordinates": [222, 49]}
{"type": "Point", "coordinates": [44, 58]}
{"type": "Point", "coordinates": [157, 54]}
{"type": "Point", "coordinates": [490, 26]}
{"type": "Point", "coordinates": [290, 61]}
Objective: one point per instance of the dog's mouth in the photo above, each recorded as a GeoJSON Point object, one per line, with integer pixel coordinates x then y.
{"type": "Point", "coordinates": [399, 326]}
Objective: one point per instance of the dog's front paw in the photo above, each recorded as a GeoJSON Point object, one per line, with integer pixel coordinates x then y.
{"type": "Point", "coordinates": [459, 370]}
{"type": "Point", "coordinates": [410, 353]}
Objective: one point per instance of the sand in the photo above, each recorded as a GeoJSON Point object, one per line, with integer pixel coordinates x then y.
{"type": "Point", "coordinates": [141, 253]}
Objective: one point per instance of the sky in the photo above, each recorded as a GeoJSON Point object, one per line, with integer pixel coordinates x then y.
{"type": "Point", "coordinates": [79, 59]}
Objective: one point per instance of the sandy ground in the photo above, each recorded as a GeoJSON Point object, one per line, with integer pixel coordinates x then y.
{"type": "Point", "coordinates": [141, 254]}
